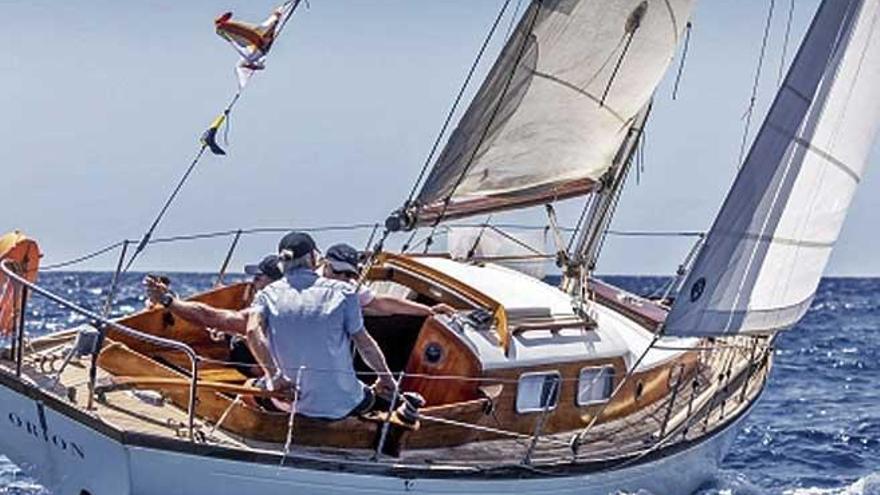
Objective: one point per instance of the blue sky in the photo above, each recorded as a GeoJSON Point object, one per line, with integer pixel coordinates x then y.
{"type": "Point", "coordinates": [103, 103]}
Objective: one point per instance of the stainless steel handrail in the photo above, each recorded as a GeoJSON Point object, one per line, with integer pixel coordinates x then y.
{"type": "Point", "coordinates": [102, 321]}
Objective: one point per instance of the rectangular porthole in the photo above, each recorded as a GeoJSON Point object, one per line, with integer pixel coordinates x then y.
{"type": "Point", "coordinates": [538, 391]}
{"type": "Point", "coordinates": [595, 385]}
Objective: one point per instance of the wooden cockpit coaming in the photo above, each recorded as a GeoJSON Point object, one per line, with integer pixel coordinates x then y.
{"type": "Point", "coordinates": [159, 322]}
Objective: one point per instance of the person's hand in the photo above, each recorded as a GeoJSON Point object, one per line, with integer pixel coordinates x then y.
{"type": "Point", "coordinates": [385, 386]}
{"type": "Point", "coordinates": [155, 289]}
{"type": "Point", "coordinates": [442, 309]}
{"type": "Point", "coordinates": [279, 383]}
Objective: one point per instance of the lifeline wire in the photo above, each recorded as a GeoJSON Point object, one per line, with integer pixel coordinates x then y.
{"type": "Point", "coordinates": [85, 257]}
{"type": "Point", "coordinates": [343, 228]}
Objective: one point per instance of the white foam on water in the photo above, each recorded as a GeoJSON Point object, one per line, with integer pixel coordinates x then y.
{"type": "Point", "coordinates": [868, 485]}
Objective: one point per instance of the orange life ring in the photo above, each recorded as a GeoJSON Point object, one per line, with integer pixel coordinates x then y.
{"type": "Point", "coordinates": [25, 256]}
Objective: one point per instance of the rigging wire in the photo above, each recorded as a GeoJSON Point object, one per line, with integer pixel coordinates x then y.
{"type": "Point", "coordinates": [457, 101]}
{"type": "Point", "coordinates": [785, 41]}
{"type": "Point", "coordinates": [684, 53]}
{"type": "Point", "coordinates": [580, 222]}
{"type": "Point", "coordinates": [615, 200]}
{"type": "Point", "coordinates": [473, 249]}
{"type": "Point", "coordinates": [513, 18]}
{"type": "Point", "coordinates": [149, 233]}
{"type": "Point", "coordinates": [485, 133]}
{"type": "Point", "coordinates": [751, 108]}
{"type": "Point", "coordinates": [409, 242]}
{"type": "Point", "coordinates": [145, 240]}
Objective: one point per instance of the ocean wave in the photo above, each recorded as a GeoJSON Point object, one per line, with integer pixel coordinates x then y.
{"type": "Point", "coordinates": [868, 485]}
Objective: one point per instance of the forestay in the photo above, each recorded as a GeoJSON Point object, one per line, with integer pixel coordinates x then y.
{"type": "Point", "coordinates": [556, 106]}
{"type": "Point", "coordinates": [766, 252]}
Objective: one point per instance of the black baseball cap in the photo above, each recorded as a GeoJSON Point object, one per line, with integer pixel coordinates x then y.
{"type": "Point", "coordinates": [268, 267]}
{"type": "Point", "coordinates": [343, 258]}
{"type": "Point", "coordinates": [299, 243]}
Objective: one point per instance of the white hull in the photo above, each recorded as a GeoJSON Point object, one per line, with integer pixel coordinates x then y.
{"type": "Point", "coordinates": [70, 455]}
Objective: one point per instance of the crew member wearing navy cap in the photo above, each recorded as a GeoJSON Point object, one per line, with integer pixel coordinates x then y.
{"type": "Point", "coordinates": [341, 263]}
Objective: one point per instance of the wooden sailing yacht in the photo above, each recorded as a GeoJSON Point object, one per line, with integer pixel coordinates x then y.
{"type": "Point", "coordinates": [529, 387]}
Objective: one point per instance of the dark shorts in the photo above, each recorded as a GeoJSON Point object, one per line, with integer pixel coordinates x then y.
{"type": "Point", "coordinates": [242, 358]}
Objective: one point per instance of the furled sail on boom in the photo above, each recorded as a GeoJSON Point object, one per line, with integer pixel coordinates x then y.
{"type": "Point", "coordinates": [556, 106]}
{"type": "Point", "coordinates": [766, 252]}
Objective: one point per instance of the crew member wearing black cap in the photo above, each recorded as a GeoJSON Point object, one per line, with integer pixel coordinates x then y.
{"type": "Point", "coordinates": [341, 263]}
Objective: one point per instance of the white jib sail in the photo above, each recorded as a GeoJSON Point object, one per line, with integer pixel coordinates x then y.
{"type": "Point", "coordinates": [555, 108]}
{"type": "Point", "coordinates": [764, 256]}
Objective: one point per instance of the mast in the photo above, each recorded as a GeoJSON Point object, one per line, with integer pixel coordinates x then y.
{"type": "Point", "coordinates": [602, 206]}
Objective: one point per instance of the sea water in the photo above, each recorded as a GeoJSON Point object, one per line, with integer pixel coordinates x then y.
{"type": "Point", "coordinates": [816, 430]}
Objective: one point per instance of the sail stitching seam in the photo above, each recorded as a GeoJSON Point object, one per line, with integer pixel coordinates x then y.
{"type": "Point", "coordinates": [673, 19]}
{"type": "Point", "coordinates": [779, 240]}
{"type": "Point", "coordinates": [566, 84]}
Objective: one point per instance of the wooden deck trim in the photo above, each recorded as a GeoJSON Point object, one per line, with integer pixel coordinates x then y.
{"type": "Point", "coordinates": [412, 264]}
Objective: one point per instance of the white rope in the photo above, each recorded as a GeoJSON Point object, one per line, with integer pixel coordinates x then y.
{"type": "Point", "coordinates": [224, 415]}
{"type": "Point", "coordinates": [289, 441]}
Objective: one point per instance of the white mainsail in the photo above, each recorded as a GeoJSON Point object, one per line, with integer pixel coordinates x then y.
{"type": "Point", "coordinates": [764, 256]}
{"type": "Point", "coordinates": [556, 106]}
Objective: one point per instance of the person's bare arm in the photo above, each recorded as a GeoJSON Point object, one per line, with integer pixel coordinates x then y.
{"type": "Point", "coordinates": [390, 305]}
{"type": "Point", "coordinates": [258, 342]}
{"type": "Point", "coordinates": [225, 320]}
{"type": "Point", "coordinates": [374, 358]}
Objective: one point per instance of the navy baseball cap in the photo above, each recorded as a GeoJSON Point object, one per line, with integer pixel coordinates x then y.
{"type": "Point", "coordinates": [268, 267]}
{"type": "Point", "coordinates": [299, 243]}
{"type": "Point", "coordinates": [343, 258]}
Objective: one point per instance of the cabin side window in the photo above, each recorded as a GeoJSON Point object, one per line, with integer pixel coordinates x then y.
{"type": "Point", "coordinates": [595, 385]}
{"type": "Point", "coordinates": [538, 391]}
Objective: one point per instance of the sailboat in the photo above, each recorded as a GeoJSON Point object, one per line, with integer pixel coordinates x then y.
{"type": "Point", "coordinates": [529, 387]}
